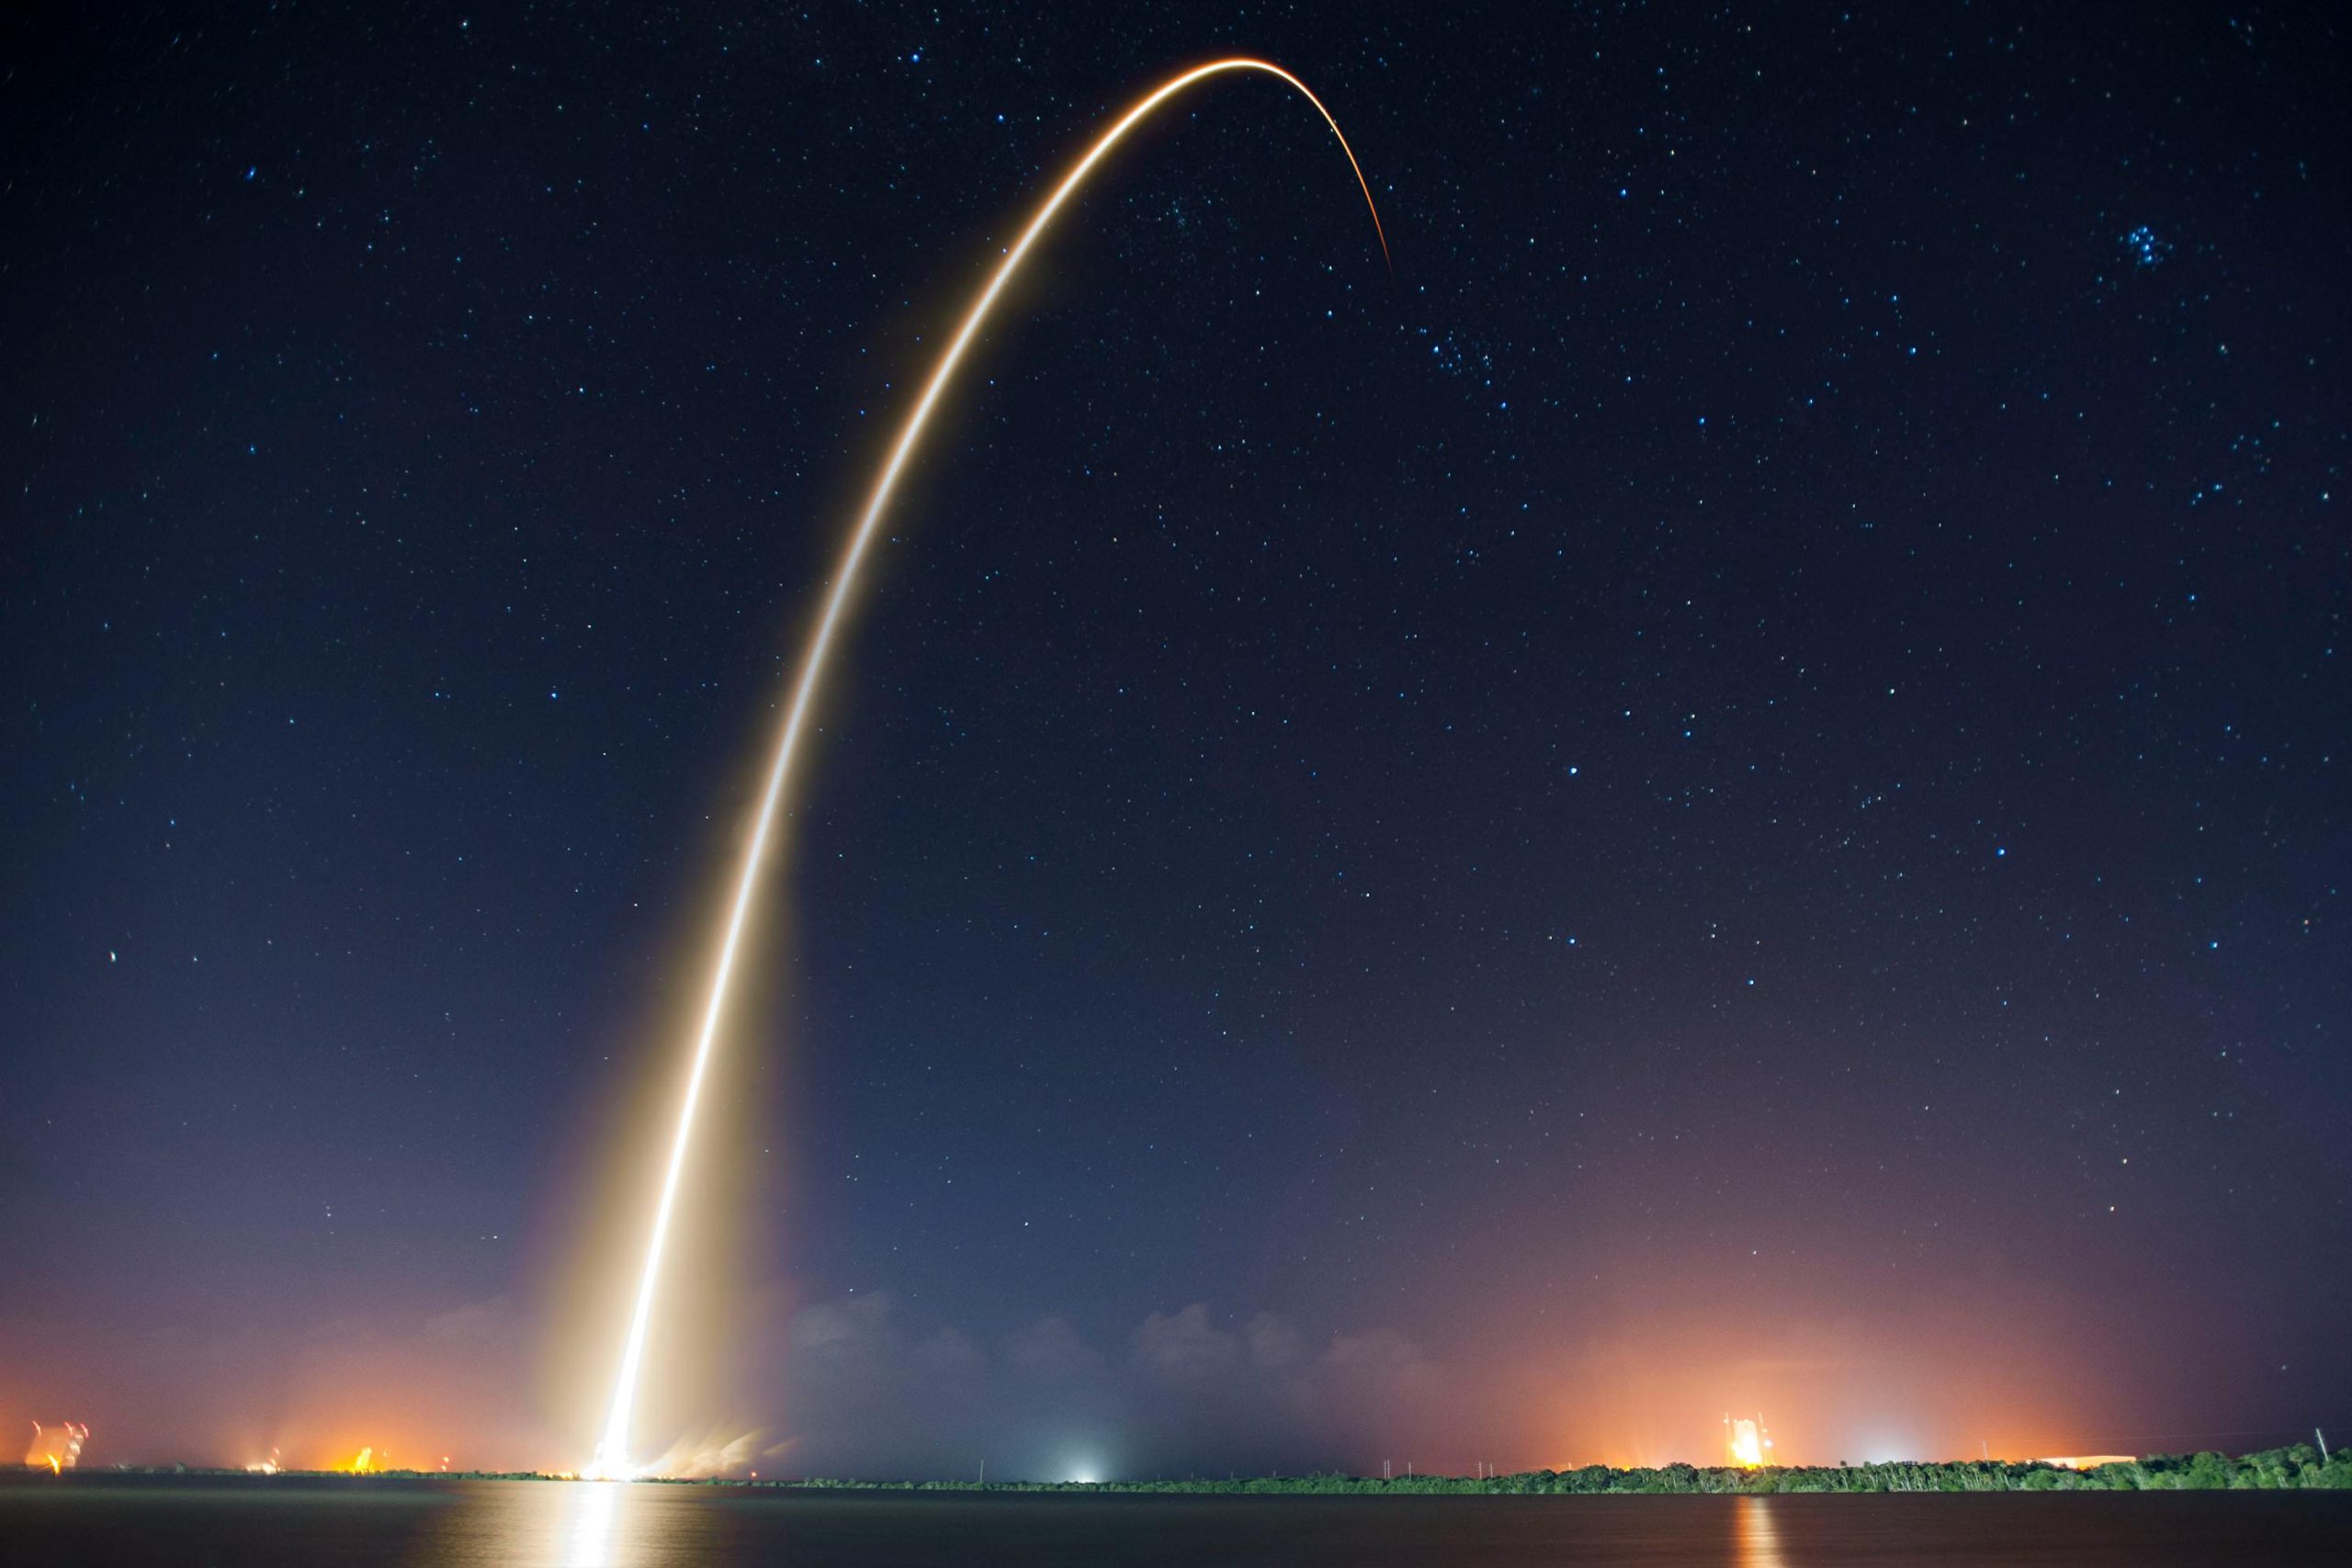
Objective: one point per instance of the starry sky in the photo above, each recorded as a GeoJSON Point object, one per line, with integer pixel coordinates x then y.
{"type": "Point", "coordinates": [1727, 792]}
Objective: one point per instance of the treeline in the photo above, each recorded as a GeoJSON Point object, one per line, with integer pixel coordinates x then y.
{"type": "Point", "coordinates": [2293, 1468]}
{"type": "Point", "coordinates": [2299, 1467]}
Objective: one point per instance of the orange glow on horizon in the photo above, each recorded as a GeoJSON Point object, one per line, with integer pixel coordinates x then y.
{"type": "Point", "coordinates": [1840, 1377]}
{"type": "Point", "coordinates": [2088, 1462]}
{"type": "Point", "coordinates": [58, 1447]}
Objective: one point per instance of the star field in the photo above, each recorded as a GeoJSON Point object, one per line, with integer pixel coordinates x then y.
{"type": "Point", "coordinates": [1765, 721]}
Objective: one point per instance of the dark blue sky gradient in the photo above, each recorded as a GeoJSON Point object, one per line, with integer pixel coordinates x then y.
{"type": "Point", "coordinates": [1729, 792]}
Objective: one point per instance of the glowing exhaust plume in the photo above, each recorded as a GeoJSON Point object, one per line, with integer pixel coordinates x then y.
{"type": "Point", "coordinates": [58, 1447]}
{"type": "Point", "coordinates": [612, 1451]}
{"type": "Point", "coordinates": [1746, 1441]}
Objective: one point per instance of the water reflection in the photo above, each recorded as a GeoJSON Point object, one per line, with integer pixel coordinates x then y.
{"type": "Point", "coordinates": [1756, 1543]}
{"type": "Point", "coordinates": [588, 1523]}
{"type": "Point", "coordinates": [552, 1524]}
{"type": "Point", "coordinates": [557, 1524]}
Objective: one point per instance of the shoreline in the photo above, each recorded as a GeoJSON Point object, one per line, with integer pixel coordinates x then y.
{"type": "Point", "coordinates": [2299, 1468]}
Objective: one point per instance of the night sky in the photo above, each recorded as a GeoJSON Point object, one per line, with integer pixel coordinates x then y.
{"type": "Point", "coordinates": [1728, 794]}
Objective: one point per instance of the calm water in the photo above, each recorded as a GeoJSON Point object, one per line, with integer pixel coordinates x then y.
{"type": "Point", "coordinates": [95, 1521]}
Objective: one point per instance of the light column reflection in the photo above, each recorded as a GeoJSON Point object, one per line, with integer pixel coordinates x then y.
{"type": "Point", "coordinates": [1756, 1541]}
{"type": "Point", "coordinates": [590, 1512]}
{"type": "Point", "coordinates": [557, 1524]}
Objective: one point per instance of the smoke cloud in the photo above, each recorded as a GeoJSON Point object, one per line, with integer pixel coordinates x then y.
{"type": "Point", "coordinates": [871, 1395]}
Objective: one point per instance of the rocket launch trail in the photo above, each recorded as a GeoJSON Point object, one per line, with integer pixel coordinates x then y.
{"type": "Point", "coordinates": [611, 1450]}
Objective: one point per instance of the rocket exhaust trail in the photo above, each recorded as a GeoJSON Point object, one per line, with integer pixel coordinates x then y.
{"type": "Point", "coordinates": [611, 1450]}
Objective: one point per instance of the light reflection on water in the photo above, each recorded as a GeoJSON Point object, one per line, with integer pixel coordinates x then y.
{"type": "Point", "coordinates": [1756, 1542]}
{"type": "Point", "coordinates": [562, 1524]}
{"type": "Point", "coordinates": [588, 1533]}
{"type": "Point", "coordinates": [558, 1524]}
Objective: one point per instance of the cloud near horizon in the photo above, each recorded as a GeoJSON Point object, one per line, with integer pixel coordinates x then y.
{"type": "Point", "coordinates": [871, 1395]}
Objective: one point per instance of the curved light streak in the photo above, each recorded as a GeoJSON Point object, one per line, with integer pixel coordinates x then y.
{"type": "Point", "coordinates": [611, 1450]}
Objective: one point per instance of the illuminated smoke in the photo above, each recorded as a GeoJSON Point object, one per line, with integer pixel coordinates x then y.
{"type": "Point", "coordinates": [1744, 1440]}
{"type": "Point", "coordinates": [611, 1450]}
{"type": "Point", "coordinates": [58, 1447]}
